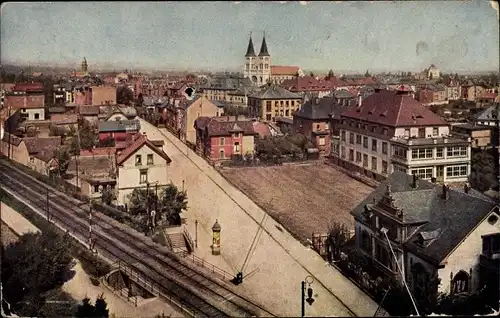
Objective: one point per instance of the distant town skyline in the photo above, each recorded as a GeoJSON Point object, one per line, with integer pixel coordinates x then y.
{"type": "Point", "coordinates": [457, 36]}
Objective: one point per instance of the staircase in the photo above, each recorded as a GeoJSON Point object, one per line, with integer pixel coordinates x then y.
{"type": "Point", "coordinates": [178, 242]}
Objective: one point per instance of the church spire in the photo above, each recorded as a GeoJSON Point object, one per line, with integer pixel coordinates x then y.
{"type": "Point", "coordinates": [250, 49]}
{"type": "Point", "coordinates": [263, 47]}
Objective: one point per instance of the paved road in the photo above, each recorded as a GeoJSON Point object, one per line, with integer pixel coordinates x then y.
{"type": "Point", "coordinates": [280, 261]}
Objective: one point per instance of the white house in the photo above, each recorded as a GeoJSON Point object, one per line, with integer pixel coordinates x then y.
{"type": "Point", "coordinates": [435, 232]}
{"type": "Point", "coordinates": [433, 72]}
{"type": "Point", "coordinates": [140, 165]}
{"type": "Point", "coordinates": [390, 131]}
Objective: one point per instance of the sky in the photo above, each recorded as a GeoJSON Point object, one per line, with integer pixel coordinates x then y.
{"type": "Point", "coordinates": [350, 36]}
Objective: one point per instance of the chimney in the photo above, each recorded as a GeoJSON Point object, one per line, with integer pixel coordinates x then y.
{"type": "Point", "coordinates": [415, 181]}
{"type": "Point", "coordinates": [446, 192]}
{"type": "Point", "coordinates": [466, 188]}
{"type": "Point", "coordinates": [145, 135]}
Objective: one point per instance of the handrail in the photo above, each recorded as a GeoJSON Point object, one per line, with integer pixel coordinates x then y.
{"type": "Point", "coordinates": [216, 270]}
{"type": "Point", "coordinates": [189, 240]}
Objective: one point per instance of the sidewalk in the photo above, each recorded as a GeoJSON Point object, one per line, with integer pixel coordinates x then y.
{"type": "Point", "coordinates": [16, 221]}
{"type": "Point", "coordinates": [280, 262]}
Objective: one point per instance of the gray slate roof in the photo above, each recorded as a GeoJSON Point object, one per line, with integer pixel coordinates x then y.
{"type": "Point", "coordinates": [275, 92]}
{"type": "Point", "coordinates": [119, 125]}
{"type": "Point", "coordinates": [489, 114]}
{"type": "Point", "coordinates": [226, 82]}
{"type": "Point", "coordinates": [320, 109]}
{"type": "Point", "coordinates": [427, 213]}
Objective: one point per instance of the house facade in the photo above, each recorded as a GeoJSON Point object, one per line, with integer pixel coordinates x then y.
{"type": "Point", "coordinates": [281, 73]}
{"type": "Point", "coordinates": [103, 95]}
{"type": "Point", "coordinates": [273, 101]}
{"type": "Point", "coordinates": [390, 131]}
{"type": "Point", "coordinates": [189, 111]}
{"type": "Point", "coordinates": [441, 240]}
{"type": "Point", "coordinates": [308, 85]}
{"type": "Point", "coordinates": [482, 137]}
{"type": "Point", "coordinates": [140, 165]}
{"type": "Point", "coordinates": [222, 138]}
{"type": "Point", "coordinates": [29, 98]}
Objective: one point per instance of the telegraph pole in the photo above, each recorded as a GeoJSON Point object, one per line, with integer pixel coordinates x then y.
{"type": "Point", "coordinates": [90, 226]}
{"type": "Point", "coordinates": [196, 233]}
{"type": "Point", "coordinates": [47, 204]}
{"type": "Point", "coordinates": [77, 154]}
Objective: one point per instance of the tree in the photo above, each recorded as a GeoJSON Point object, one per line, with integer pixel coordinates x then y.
{"type": "Point", "coordinates": [56, 131]}
{"type": "Point", "coordinates": [311, 74]}
{"type": "Point", "coordinates": [464, 304]}
{"type": "Point", "coordinates": [330, 74]}
{"type": "Point", "coordinates": [483, 174]}
{"type": "Point", "coordinates": [99, 310]}
{"type": "Point", "coordinates": [367, 74]}
{"type": "Point", "coordinates": [232, 110]}
{"type": "Point", "coordinates": [63, 157]}
{"type": "Point", "coordinates": [140, 201]}
{"type": "Point", "coordinates": [108, 142]}
{"type": "Point", "coordinates": [33, 265]}
{"type": "Point", "coordinates": [124, 95]}
{"type": "Point", "coordinates": [107, 195]}
{"type": "Point", "coordinates": [174, 202]}
{"type": "Point", "coordinates": [140, 100]}
{"type": "Point", "coordinates": [338, 235]}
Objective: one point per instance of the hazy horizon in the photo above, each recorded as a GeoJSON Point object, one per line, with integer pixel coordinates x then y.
{"type": "Point", "coordinates": [348, 37]}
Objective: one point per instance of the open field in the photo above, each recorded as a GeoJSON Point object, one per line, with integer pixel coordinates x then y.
{"type": "Point", "coordinates": [303, 198]}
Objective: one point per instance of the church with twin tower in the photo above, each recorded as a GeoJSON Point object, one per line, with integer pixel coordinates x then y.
{"type": "Point", "coordinates": [258, 67]}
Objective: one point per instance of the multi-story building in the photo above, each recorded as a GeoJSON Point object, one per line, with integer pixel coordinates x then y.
{"type": "Point", "coordinates": [488, 117]}
{"type": "Point", "coordinates": [433, 95]}
{"type": "Point", "coordinates": [29, 98]}
{"type": "Point", "coordinates": [222, 138]}
{"type": "Point", "coordinates": [103, 95]}
{"type": "Point", "coordinates": [471, 92]}
{"type": "Point", "coordinates": [221, 88]}
{"type": "Point", "coordinates": [482, 136]}
{"type": "Point", "coordinates": [118, 130]}
{"type": "Point", "coordinates": [429, 234]}
{"type": "Point", "coordinates": [141, 165]}
{"type": "Point", "coordinates": [390, 131]}
{"type": "Point", "coordinates": [282, 73]}
{"type": "Point", "coordinates": [433, 72]}
{"type": "Point", "coordinates": [273, 101]}
{"type": "Point", "coordinates": [188, 111]}
{"type": "Point", "coordinates": [308, 85]}
{"type": "Point", "coordinates": [453, 91]}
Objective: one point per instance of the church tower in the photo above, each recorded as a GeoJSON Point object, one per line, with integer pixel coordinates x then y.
{"type": "Point", "coordinates": [264, 61]}
{"type": "Point", "coordinates": [84, 66]}
{"type": "Point", "coordinates": [250, 60]}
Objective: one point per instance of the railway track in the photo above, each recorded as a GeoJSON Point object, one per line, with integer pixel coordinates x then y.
{"type": "Point", "coordinates": [204, 295]}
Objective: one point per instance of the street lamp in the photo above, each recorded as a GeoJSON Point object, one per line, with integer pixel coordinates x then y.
{"type": "Point", "coordinates": [310, 300]}
{"type": "Point", "coordinates": [384, 231]}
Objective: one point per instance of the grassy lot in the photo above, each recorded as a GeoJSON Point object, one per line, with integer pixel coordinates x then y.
{"type": "Point", "coordinates": [303, 198]}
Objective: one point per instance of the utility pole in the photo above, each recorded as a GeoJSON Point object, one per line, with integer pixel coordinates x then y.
{"type": "Point", "coordinates": [77, 154]}
{"type": "Point", "coordinates": [47, 204]}
{"type": "Point", "coordinates": [196, 233]}
{"type": "Point", "coordinates": [156, 202]}
{"type": "Point", "coordinates": [147, 205]}
{"type": "Point", "coordinates": [310, 300]}
{"type": "Point", "coordinates": [9, 131]}
{"type": "Point", "coordinates": [90, 226]}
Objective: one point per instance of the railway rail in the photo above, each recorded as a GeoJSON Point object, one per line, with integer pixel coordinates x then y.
{"type": "Point", "coordinates": [205, 296]}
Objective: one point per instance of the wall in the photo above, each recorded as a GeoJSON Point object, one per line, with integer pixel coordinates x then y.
{"type": "Point", "coordinates": [102, 95]}
{"type": "Point", "coordinates": [246, 146]}
{"type": "Point", "coordinates": [38, 165]}
{"type": "Point", "coordinates": [32, 112]}
{"type": "Point", "coordinates": [18, 154]}
{"type": "Point", "coordinates": [442, 130]}
{"type": "Point", "coordinates": [129, 173]}
{"type": "Point", "coordinates": [466, 255]}
{"type": "Point", "coordinates": [25, 101]}
{"type": "Point", "coordinates": [201, 107]}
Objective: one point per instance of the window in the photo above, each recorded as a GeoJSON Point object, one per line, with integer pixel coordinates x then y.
{"type": "Point", "coordinates": [461, 282]}
{"type": "Point", "coordinates": [374, 163]}
{"type": "Point", "coordinates": [32, 159]}
{"type": "Point", "coordinates": [435, 131]}
{"type": "Point", "coordinates": [358, 139]}
{"type": "Point", "coordinates": [374, 144]}
{"type": "Point", "coordinates": [351, 155]}
{"type": "Point", "coordinates": [456, 171]}
{"type": "Point", "coordinates": [358, 156]}
{"type": "Point", "coordinates": [317, 127]}
{"type": "Point", "coordinates": [407, 133]}
{"type": "Point", "coordinates": [237, 135]}
{"type": "Point", "coordinates": [236, 147]}
{"type": "Point", "coordinates": [143, 177]}
{"type": "Point", "coordinates": [342, 152]}
{"type": "Point", "coordinates": [374, 129]}
{"type": "Point", "coordinates": [382, 255]}
{"type": "Point", "coordinates": [287, 103]}
{"type": "Point", "coordinates": [351, 138]}
{"type": "Point", "coordinates": [422, 153]}
{"type": "Point", "coordinates": [138, 160]}
{"type": "Point", "coordinates": [293, 103]}
{"type": "Point", "coordinates": [365, 127]}
{"type": "Point", "coordinates": [287, 112]}
{"type": "Point", "coordinates": [421, 133]}
{"type": "Point", "coordinates": [222, 141]}
{"type": "Point", "coordinates": [268, 117]}
{"type": "Point", "coordinates": [37, 116]}
{"type": "Point", "coordinates": [365, 142]}
{"type": "Point", "coordinates": [422, 173]}
{"type": "Point", "coordinates": [365, 160]}
{"type": "Point", "coordinates": [439, 152]}
{"type": "Point", "coordinates": [460, 151]}
{"type": "Point", "coordinates": [150, 159]}
{"type": "Point", "coordinates": [221, 154]}
{"type": "Point", "coordinates": [384, 166]}
{"type": "Point", "coordinates": [366, 242]}
{"type": "Point", "coordinates": [399, 168]}
{"type": "Point", "coordinates": [342, 135]}
{"type": "Point", "coordinates": [268, 106]}
{"type": "Point", "coordinates": [384, 148]}
{"type": "Point", "coordinates": [321, 141]}
{"type": "Point", "coordinates": [358, 125]}
{"type": "Point", "coordinates": [385, 131]}
{"type": "Point", "coordinates": [96, 188]}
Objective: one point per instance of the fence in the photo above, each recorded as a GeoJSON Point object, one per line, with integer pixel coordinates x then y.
{"type": "Point", "coordinates": [214, 269]}
{"type": "Point", "coordinates": [153, 288]}
{"type": "Point", "coordinates": [256, 162]}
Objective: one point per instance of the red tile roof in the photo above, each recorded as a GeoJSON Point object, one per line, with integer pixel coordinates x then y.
{"type": "Point", "coordinates": [360, 81]}
{"type": "Point", "coordinates": [335, 82]}
{"type": "Point", "coordinates": [488, 96]}
{"type": "Point", "coordinates": [225, 125]}
{"type": "Point", "coordinates": [139, 141]}
{"type": "Point", "coordinates": [393, 109]}
{"type": "Point", "coordinates": [23, 87]}
{"type": "Point", "coordinates": [104, 151]}
{"type": "Point", "coordinates": [64, 119]}
{"type": "Point", "coordinates": [306, 83]}
{"type": "Point", "coordinates": [284, 70]}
